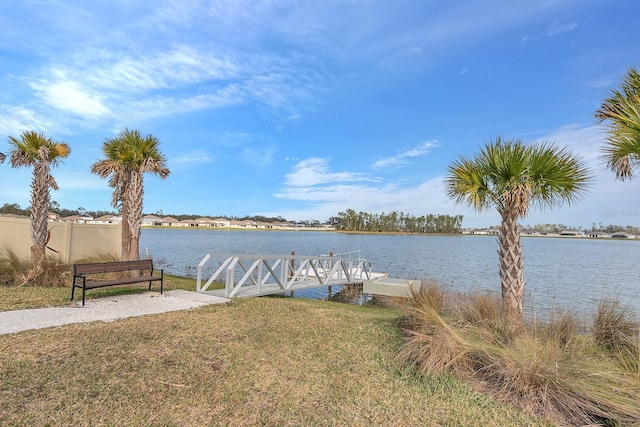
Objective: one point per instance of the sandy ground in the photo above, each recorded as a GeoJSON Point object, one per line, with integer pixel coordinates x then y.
{"type": "Point", "coordinates": [104, 309]}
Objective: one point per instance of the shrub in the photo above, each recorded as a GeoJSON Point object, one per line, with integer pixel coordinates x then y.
{"type": "Point", "coordinates": [547, 367]}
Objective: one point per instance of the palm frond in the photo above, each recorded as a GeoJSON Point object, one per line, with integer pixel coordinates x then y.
{"type": "Point", "coordinates": [621, 112]}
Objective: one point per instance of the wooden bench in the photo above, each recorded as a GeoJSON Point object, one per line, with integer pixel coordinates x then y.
{"type": "Point", "coordinates": [144, 268]}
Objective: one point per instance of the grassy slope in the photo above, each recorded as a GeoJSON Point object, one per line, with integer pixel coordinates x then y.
{"type": "Point", "coordinates": [263, 361]}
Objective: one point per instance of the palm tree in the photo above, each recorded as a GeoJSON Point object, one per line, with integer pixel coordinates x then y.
{"type": "Point", "coordinates": [129, 156]}
{"type": "Point", "coordinates": [113, 166]}
{"type": "Point", "coordinates": [622, 113]}
{"type": "Point", "coordinates": [512, 177]}
{"type": "Point", "coordinates": [35, 150]}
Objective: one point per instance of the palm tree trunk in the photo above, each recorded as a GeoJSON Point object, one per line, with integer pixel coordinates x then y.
{"type": "Point", "coordinates": [511, 264]}
{"type": "Point", "coordinates": [40, 199]}
{"type": "Point", "coordinates": [136, 194]}
{"type": "Point", "coordinates": [125, 233]}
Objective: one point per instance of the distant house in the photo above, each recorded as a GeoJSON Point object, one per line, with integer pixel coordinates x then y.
{"type": "Point", "coordinates": [77, 219]}
{"type": "Point", "coordinates": [473, 231]}
{"type": "Point", "coordinates": [107, 219]}
{"type": "Point", "coordinates": [549, 234]}
{"type": "Point", "coordinates": [243, 224]}
{"type": "Point", "coordinates": [221, 222]}
{"type": "Point", "coordinates": [597, 234]}
{"type": "Point", "coordinates": [169, 221]}
{"type": "Point", "coordinates": [622, 235]}
{"type": "Point", "coordinates": [151, 220]}
{"type": "Point", "coordinates": [570, 233]}
{"type": "Point", "coordinates": [529, 232]}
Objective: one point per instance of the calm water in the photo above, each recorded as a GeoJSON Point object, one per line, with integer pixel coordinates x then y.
{"type": "Point", "coordinates": [568, 273]}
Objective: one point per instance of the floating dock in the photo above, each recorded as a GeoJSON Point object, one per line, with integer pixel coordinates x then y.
{"type": "Point", "coordinates": [389, 286]}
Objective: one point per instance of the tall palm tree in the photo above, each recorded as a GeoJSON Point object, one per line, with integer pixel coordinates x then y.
{"type": "Point", "coordinates": [129, 156]}
{"type": "Point", "coordinates": [33, 149]}
{"type": "Point", "coordinates": [113, 167]}
{"type": "Point", "coordinates": [511, 177]}
{"type": "Point", "coordinates": [621, 111]}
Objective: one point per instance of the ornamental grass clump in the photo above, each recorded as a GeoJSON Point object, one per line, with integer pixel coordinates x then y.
{"type": "Point", "coordinates": [549, 367]}
{"type": "Point", "coordinates": [616, 328]}
{"type": "Point", "coordinates": [49, 271]}
{"type": "Point", "coordinates": [46, 271]}
{"type": "Point", "coordinates": [433, 343]}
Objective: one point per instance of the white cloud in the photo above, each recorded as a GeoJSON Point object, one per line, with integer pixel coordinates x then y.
{"type": "Point", "coordinates": [402, 158]}
{"type": "Point", "coordinates": [70, 96]}
{"type": "Point", "coordinates": [15, 120]}
{"type": "Point", "coordinates": [315, 171]}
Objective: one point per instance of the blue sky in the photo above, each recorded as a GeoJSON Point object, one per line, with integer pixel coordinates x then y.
{"type": "Point", "coordinates": [307, 108]}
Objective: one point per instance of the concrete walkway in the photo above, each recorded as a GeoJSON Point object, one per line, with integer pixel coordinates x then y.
{"type": "Point", "coordinates": [104, 309]}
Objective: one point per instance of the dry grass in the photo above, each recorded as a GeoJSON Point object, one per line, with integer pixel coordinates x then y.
{"type": "Point", "coordinates": [47, 272]}
{"type": "Point", "coordinates": [262, 361]}
{"type": "Point", "coordinates": [616, 328]}
{"type": "Point", "coordinates": [547, 368]}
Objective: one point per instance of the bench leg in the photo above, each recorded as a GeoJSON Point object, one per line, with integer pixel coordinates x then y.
{"type": "Point", "coordinates": [73, 290]}
{"type": "Point", "coordinates": [83, 290]}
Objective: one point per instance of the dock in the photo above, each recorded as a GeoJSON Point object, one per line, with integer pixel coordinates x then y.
{"type": "Point", "coordinates": [250, 275]}
{"type": "Point", "coordinates": [389, 286]}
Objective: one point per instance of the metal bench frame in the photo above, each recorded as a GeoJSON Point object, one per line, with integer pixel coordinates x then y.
{"type": "Point", "coordinates": [81, 271]}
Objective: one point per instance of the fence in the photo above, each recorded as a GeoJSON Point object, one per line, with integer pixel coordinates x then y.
{"type": "Point", "coordinates": [68, 240]}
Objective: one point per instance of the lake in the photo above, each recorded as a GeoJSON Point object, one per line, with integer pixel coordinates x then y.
{"type": "Point", "coordinates": [559, 272]}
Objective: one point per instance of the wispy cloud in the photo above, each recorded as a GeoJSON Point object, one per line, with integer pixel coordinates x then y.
{"type": "Point", "coordinates": [404, 156]}
{"type": "Point", "coordinates": [71, 97]}
{"type": "Point", "coordinates": [554, 30]}
{"type": "Point", "coordinates": [315, 171]}
{"type": "Point", "coordinates": [191, 157]}
{"type": "Point", "coordinates": [558, 28]}
{"type": "Point", "coordinates": [14, 120]}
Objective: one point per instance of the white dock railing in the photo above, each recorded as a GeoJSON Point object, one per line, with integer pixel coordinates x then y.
{"type": "Point", "coordinates": [254, 275]}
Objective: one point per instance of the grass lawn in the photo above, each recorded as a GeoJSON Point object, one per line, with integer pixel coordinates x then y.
{"type": "Point", "coordinates": [259, 361]}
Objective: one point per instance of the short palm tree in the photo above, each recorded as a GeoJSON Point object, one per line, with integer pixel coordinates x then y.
{"type": "Point", "coordinates": [621, 111]}
{"type": "Point", "coordinates": [35, 150]}
{"type": "Point", "coordinates": [129, 156]}
{"type": "Point", "coordinates": [511, 177]}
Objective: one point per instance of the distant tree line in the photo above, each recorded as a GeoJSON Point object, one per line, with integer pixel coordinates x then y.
{"type": "Point", "coordinates": [396, 222]}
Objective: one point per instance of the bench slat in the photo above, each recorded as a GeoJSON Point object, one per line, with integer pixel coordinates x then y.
{"type": "Point", "coordinates": [108, 267]}
{"type": "Point", "coordinates": [123, 281]}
